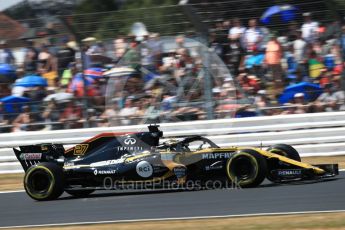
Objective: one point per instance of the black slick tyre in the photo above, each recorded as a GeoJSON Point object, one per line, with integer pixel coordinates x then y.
{"type": "Point", "coordinates": [247, 168]}
{"type": "Point", "coordinates": [44, 181]}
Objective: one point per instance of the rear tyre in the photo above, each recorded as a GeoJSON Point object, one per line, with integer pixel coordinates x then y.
{"type": "Point", "coordinates": [80, 193]}
{"type": "Point", "coordinates": [285, 150]}
{"type": "Point", "coordinates": [44, 181]}
{"type": "Point", "coordinates": [247, 168]}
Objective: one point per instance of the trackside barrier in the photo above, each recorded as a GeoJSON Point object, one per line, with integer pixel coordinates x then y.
{"type": "Point", "coordinates": [317, 134]}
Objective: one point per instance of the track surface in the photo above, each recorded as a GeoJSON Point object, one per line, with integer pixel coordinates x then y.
{"type": "Point", "coordinates": [18, 209]}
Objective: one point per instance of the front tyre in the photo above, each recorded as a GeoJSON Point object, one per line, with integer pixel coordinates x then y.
{"type": "Point", "coordinates": [247, 168]}
{"type": "Point", "coordinates": [282, 150]}
{"type": "Point", "coordinates": [285, 150]}
{"type": "Point", "coordinates": [44, 181]}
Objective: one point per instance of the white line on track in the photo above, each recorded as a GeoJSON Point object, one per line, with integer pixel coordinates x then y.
{"type": "Point", "coordinates": [177, 218]}
{"type": "Point", "coordinates": [13, 191]}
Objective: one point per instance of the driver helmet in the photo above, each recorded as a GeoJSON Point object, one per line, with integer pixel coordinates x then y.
{"type": "Point", "coordinates": [171, 142]}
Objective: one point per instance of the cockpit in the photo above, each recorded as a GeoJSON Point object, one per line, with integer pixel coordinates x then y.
{"type": "Point", "coordinates": [189, 144]}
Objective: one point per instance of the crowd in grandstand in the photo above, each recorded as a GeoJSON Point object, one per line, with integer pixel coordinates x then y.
{"type": "Point", "coordinates": [263, 62]}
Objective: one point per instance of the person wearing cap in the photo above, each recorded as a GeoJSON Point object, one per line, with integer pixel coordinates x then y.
{"type": "Point", "coordinates": [299, 103]}
{"type": "Point", "coordinates": [262, 101]}
{"type": "Point", "coordinates": [309, 28]}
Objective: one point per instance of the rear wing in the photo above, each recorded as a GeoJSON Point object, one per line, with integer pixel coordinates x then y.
{"type": "Point", "coordinates": [33, 154]}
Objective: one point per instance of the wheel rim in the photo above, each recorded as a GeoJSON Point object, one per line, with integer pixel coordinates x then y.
{"type": "Point", "coordinates": [39, 182]}
{"type": "Point", "coordinates": [242, 168]}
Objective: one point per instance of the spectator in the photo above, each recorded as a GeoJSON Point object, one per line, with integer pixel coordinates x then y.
{"type": "Point", "coordinates": [110, 115]}
{"type": "Point", "coordinates": [236, 32]}
{"type": "Point", "coordinates": [338, 93]}
{"type": "Point", "coordinates": [71, 116]}
{"type": "Point", "coordinates": [132, 57]}
{"type": "Point", "coordinates": [327, 100]}
{"type": "Point", "coordinates": [288, 109]}
{"type": "Point", "coordinates": [253, 62]}
{"type": "Point", "coordinates": [65, 56]}
{"type": "Point", "coordinates": [274, 53]}
{"type": "Point", "coordinates": [262, 102]}
{"type": "Point", "coordinates": [68, 74]}
{"type": "Point", "coordinates": [342, 43]}
{"type": "Point", "coordinates": [91, 119]}
{"type": "Point", "coordinates": [51, 114]}
{"type": "Point", "coordinates": [252, 36]}
{"type": "Point", "coordinates": [30, 58]}
{"type": "Point", "coordinates": [248, 83]}
{"type": "Point", "coordinates": [6, 55]}
{"type": "Point", "coordinates": [128, 112]}
{"type": "Point", "coordinates": [4, 120]}
{"type": "Point", "coordinates": [24, 120]}
{"type": "Point", "coordinates": [47, 66]}
{"type": "Point", "coordinates": [299, 48]}
{"type": "Point", "coordinates": [235, 55]}
{"type": "Point", "coordinates": [299, 103]}
{"type": "Point", "coordinates": [120, 47]}
{"type": "Point", "coordinates": [309, 28]}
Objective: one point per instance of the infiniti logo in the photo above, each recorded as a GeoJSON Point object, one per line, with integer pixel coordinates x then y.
{"type": "Point", "coordinates": [130, 141]}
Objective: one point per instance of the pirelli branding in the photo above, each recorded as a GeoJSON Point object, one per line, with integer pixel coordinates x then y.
{"type": "Point", "coordinates": [220, 155]}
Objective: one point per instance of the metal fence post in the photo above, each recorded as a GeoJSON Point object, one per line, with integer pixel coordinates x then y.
{"type": "Point", "coordinates": [78, 38]}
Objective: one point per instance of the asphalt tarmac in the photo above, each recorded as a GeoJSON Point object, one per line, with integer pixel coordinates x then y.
{"type": "Point", "coordinates": [17, 209]}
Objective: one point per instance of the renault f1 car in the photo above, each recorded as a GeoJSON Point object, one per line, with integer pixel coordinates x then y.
{"type": "Point", "coordinates": [140, 157]}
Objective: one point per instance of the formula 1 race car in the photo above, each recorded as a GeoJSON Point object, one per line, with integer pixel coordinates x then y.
{"type": "Point", "coordinates": [140, 159]}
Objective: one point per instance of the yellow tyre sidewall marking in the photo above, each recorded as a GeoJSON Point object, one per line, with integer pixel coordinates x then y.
{"type": "Point", "coordinates": [52, 183]}
{"type": "Point", "coordinates": [252, 159]}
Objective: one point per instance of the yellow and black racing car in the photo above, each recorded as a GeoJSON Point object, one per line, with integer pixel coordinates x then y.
{"type": "Point", "coordinates": [141, 160]}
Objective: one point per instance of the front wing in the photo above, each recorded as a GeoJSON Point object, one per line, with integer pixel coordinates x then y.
{"type": "Point", "coordinates": [329, 170]}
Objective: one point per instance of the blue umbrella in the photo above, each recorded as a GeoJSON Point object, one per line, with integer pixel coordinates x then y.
{"type": "Point", "coordinates": [287, 13]}
{"type": "Point", "coordinates": [10, 101]}
{"type": "Point", "coordinates": [310, 91]}
{"type": "Point", "coordinates": [7, 73]}
{"type": "Point", "coordinates": [31, 81]}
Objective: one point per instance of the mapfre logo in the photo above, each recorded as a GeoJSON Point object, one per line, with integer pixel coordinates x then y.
{"type": "Point", "coordinates": [130, 141]}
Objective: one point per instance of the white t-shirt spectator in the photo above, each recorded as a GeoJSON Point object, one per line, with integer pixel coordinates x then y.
{"type": "Point", "coordinates": [236, 32]}
{"type": "Point", "coordinates": [127, 113]}
{"type": "Point", "coordinates": [252, 36]}
{"type": "Point", "coordinates": [309, 31]}
{"type": "Point", "coordinates": [327, 98]}
{"type": "Point", "coordinates": [299, 46]}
